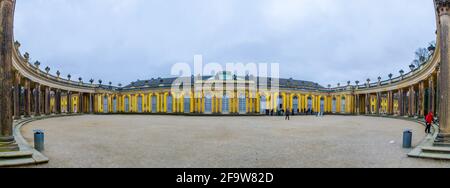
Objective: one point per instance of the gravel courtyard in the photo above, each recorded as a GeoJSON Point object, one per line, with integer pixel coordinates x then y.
{"type": "Point", "coordinates": [231, 142]}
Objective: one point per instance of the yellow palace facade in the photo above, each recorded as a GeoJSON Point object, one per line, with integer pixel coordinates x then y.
{"type": "Point", "coordinates": [37, 92]}
{"type": "Point", "coordinates": [294, 96]}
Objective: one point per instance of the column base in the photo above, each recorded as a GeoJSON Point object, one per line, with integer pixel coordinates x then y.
{"type": "Point", "coordinates": [8, 144]}
{"type": "Point", "coordinates": [443, 139]}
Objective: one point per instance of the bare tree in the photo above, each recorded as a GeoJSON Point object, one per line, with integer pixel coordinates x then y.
{"type": "Point", "coordinates": [422, 55]}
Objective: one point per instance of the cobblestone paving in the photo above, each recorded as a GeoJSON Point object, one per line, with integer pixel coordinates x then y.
{"type": "Point", "coordinates": [261, 142]}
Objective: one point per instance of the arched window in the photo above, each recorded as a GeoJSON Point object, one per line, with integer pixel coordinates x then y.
{"type": "Point", "coordinates": [187, 104]}
{"type": "Point", "coordinates": [295, 104]}
{"type": "Point", "coordinates": [322, 104]}
{"type": "Point", "coordinates": [226, 104]}
{"type": "Point", "coordinates": [139, 105]}
{"type": "Point", "coordinates": [115, 104]}
{"type": "Point", "coordinates": [263, 104]}
{"type": "Point", "coordinates": [105, 104]}
{"type": "Point", "coordinates": [310, 103]}
{"type": "Point", "coordinates": [208, 104]}
{"type": "Point", "coordinates": [334, 108]}
{"type": "Point", "coordinates": [169, 104]}
{"type": "Point", "coordinates": [127, 104]}
{"type": "Point", "coordinates": [154, 104]}
{"type": "Point", "coordinates": [280, 103]}
{"type": "Point", "coordinates": [242, 104]}
{"type": "Point", "coordinates": [343, 105]}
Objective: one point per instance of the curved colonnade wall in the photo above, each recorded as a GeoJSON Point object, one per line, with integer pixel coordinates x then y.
{"type": "Point", "coordinates": [36, 92]}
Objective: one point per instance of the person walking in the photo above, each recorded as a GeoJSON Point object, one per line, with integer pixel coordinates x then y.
{"type": "Point", "coordinates": [287, 115]}
{"type": "Point", "coordinates": [428, 121]}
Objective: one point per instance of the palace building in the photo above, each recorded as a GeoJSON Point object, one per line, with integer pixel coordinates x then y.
{"type": "Point", "coordinates": [409, 94]}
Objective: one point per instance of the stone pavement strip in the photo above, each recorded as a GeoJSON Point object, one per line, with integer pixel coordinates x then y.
{"type": "Point", "coordinates": [229, 142]}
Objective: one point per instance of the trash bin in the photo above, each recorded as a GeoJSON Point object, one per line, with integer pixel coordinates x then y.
{"type": "Point", "coordinates": [407, 138]}
{"type": "Point", "coordinates": [39, 140]}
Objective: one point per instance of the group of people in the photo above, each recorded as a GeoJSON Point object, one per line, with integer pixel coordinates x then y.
{"type": "Point", "coordinates": [308, 112]}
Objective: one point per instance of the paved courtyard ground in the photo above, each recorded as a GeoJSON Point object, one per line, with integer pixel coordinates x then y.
{"type": "Point", "coordinates": [261, 142]}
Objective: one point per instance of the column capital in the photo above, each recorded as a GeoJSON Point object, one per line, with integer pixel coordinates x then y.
{"type": "Point", "coordinates": [442, 7]}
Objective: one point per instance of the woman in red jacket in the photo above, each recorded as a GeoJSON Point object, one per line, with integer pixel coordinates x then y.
{"type": "Point", "coordinates": [429, 120]}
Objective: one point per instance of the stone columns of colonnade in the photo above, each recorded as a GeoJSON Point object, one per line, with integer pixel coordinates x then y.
{"type": "Point", "coordinates": [431, 96]}
{"type": "Point", "coordinates": [401, 102]}
{"type": "Point", "coordinates": [16, 96]}
{"type": "Point", "coordinates": [421, 100]}
{"type": "Point", "coordinates": [58, 101]}
{"type": "Point", "coordinates": [69, 102]}
{"type": "Point", "coordinates": [91, 103]}
{"type": "Point", "coordinates": [378, 103]}
{"type": "Point", "coordinates": [443, 9]}
{"type": "Point", "coordinates": [27, 98]}
{"type": "Point", "coordinates": [412, 101]}
{"type": "Point", "coordinates": [367, 104]}
{"type": "Point", "coordinates": [7, 141]}
{"type": "Point", "coordinates": [37, 99]}
{"type": "Point", "coordinates": [47, 101]}
{"type": "Point", "coordinates": [390, 108]}
{"type": "Point", "coordinates": [357, 105]}
{"type": "Point", "coordinates": [81, 103]}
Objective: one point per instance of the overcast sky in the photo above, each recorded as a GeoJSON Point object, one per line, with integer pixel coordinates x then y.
{"type": "Point", "coordinates": [326, 41]}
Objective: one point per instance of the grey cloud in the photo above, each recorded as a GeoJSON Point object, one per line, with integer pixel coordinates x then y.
{"type": "Point", "coordinates": [125, 40]}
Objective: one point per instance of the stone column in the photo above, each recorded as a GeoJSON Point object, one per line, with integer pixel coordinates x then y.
{"type": "Point", "coordinates": [27, 99]}
{"type": "Point", "coordinates": [431, 95]}
{"type": "Point", "coordinates": [16, 97]}
{"type": "Point", "coordinates": [400, 102]}
{"type": "Point", "coordinates": [443, 9]}
{"type": "Point", "coordinates": [412, 97]}
{"type": "Point", "coordinates": [69, 102]}
{"type": "Point", "coordinates": [357, 104]}
{"type": "Point", "coordinates": [91, 104]}
{"type": "Point", "coordinates": [55, 104]}
{"type": "Point", "coordinates": [80, 105]}
{"type": "Point", "coordinates": [367, 104]}
{"type": "Point", "coordinates": [421, 110]}
{"type": "Point", "coordinates": [378, 103]}
{"type": "Point", "coordinates": [390, 103]}
{"type": "Point", "coordinates": [58, 101]}
{"type": "Point", "coordinates": [47, 101]}
{"type": "Point", "coordinates": [7, 141]}
{"type": "Point", "coordinates": [37, 100]}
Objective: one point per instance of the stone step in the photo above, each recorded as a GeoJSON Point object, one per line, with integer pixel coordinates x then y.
{"type": "Point", "coordinates": [9, 148]}
{"type": "Point", "coordinates": [444, 150]}
{"type": "Point", "coordinates": [437, 144]}
{"type": "Point", "coordinates": [16, 154]}
{"type": "Point", "coordinates": [16, 162]}
{"type": "Point", "coordinates": [439, 156]}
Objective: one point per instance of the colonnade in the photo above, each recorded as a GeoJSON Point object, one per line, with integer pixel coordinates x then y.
{"type": "Point", "coordinates": [34, 99]}
{"type": "Point", "coordinates": [414, 100]}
